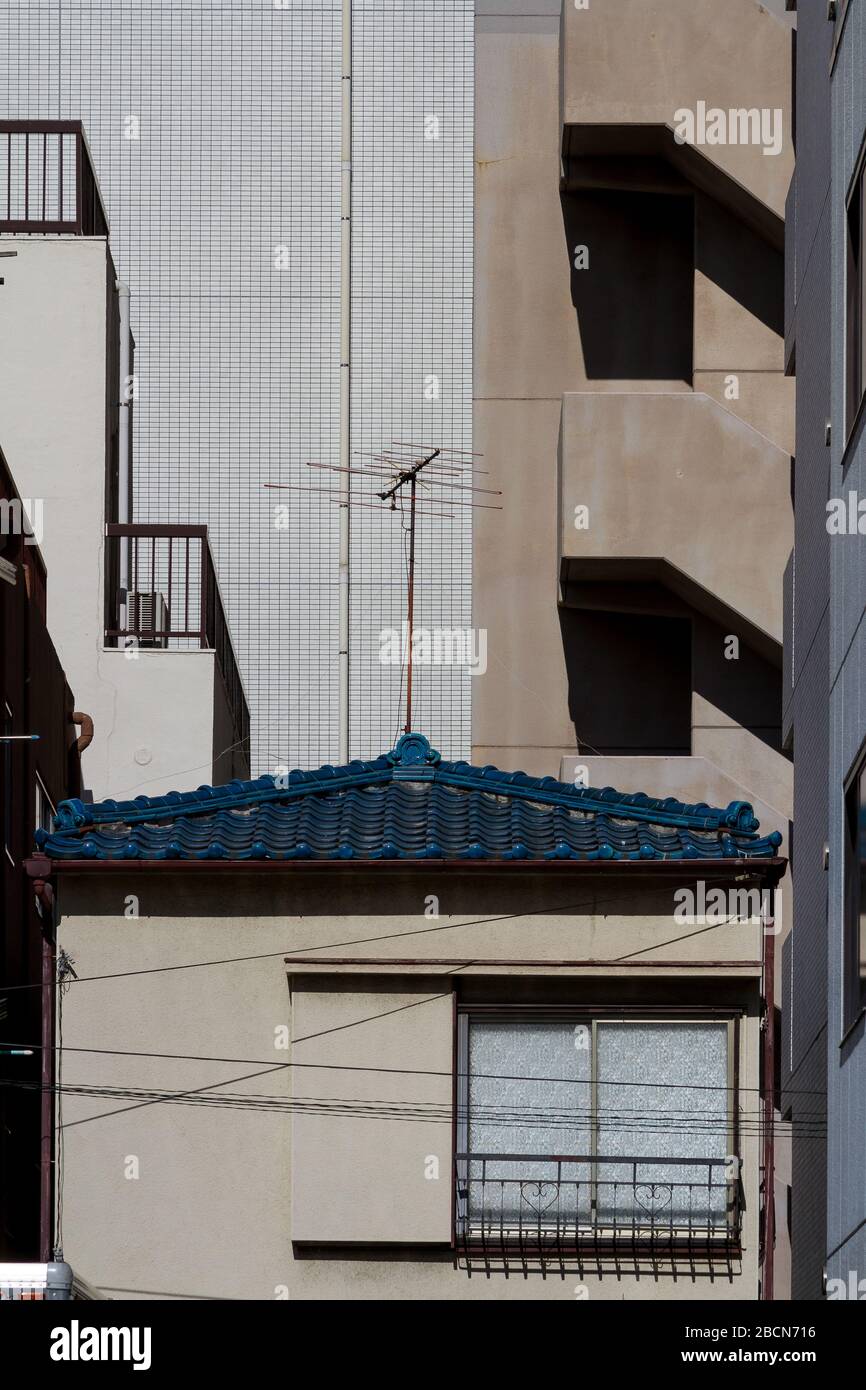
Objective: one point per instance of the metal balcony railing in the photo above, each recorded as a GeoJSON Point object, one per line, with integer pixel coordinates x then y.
{"type": "Point", "coordinates": [47, 181]}
{"type": "Point", "coordinates": [162, 592]}
{"type": "Point", "coordinates": [547, 1206]}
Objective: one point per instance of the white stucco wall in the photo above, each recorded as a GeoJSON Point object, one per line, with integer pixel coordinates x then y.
{"type": "Point", "coordinates": [154, 716]}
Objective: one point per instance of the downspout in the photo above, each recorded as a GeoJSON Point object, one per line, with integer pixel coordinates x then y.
{"type": "Point", "coordinates": [45, 899]}
{"type": "Point", "coordinates": [345, 375]}
{"type": "Point", "coordinates": [768, 1078]}
{"type": "Point", "coordinates": [123, 480]}
{"type": "Point", "coordinates": [85, 723]}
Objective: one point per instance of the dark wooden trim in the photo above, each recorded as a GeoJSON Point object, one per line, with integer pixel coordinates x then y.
{"type": "Point", "coordinates": [475, 963]}
{"type": "Point", "coordinates": [16, 127]}
{"type": "Point", "coordinates": [606, 1011]}
{"type": "Point", "coordinates": [679, 869]}
{"type": "Point", "coordinates": [116, 528]}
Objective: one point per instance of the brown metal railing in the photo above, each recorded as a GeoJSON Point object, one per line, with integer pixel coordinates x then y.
{"type": "Point", "coordinates": [47, 181]}
{"type": "Point", "coordinates": [162, 592]}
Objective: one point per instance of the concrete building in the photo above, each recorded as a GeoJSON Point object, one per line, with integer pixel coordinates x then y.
{"type": "Point", "coordinates": [632, 164]}
{"type": "Point", "coordinates": [216, 127]}
{"type": "Point", "coordinates": [135, 611]}
{"type": "Point", "coordinates": [824, 1054]}
{"type": "Point", "coordinates": [414, 1030]}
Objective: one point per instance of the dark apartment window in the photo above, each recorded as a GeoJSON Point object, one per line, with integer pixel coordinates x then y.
{"type": "Point", "coordinates": [44, 816]}
{"type": "Point", "coordinates": [6, 753]}
{"type": "Point", "coordinates": [597, 1127]}
{"type": "Point", "coordinates": [855, 290]}
{"type": "Point", "coordinates": [854, 945]}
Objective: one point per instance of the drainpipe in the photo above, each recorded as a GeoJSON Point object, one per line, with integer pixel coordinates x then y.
{"type": "Point", "coordinates": [85, 723]}
{"type": "Point", "coordinates": [345, 373]}
{"type": "Point", "coordinates": [769, 1071]}
{"type": "Point", "coordinates": [123, 449]}
{"type": "Point", "coordinates": [45, 897]}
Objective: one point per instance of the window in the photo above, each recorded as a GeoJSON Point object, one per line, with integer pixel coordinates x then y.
{"type": "Point", "coordinates": [837, 11]}
{"type": "Point", "coordinates": [44, 806]}
{"type": "Point", "coordinates": [854, 925]}
{"type": "Point", "coordinates": [573, 1127]}
{"type": "Point", "coordinates": [855, 289]}
{"type": "Point", "coordinates": [7, 752]}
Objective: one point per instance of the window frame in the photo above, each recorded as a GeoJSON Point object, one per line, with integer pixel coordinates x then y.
{"type": "Point", "coordinates": [842, 7]}
{"type": "Point", "coordinates": [591, 1017]}
{"type": "Point", "coordinates": [42, 797]}
{"type": "Point", "coordinates": [855, 298]}
{"type": "Point", "coordinates": [853, 957]}
{"type": "Point", "coordinates": [7, 748]}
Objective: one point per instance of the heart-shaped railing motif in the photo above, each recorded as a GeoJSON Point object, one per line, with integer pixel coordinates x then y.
{"type": "Point", "coordinates": [540, 1196]}
{"type": "Point", "coordinates": [654, 1196]}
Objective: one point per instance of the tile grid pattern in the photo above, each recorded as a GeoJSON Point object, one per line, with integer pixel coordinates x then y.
{"type": "Point", "coordinates": [215, 132]}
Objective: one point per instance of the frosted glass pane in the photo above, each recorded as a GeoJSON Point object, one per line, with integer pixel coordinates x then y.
{"type": "Point", "coordinates": [662, 1093]}
{"type": "Point", "coordinates": [529, 1093]}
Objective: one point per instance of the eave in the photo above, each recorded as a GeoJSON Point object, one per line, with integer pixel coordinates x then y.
{"type": "Point", "coordinates": [40, 867]}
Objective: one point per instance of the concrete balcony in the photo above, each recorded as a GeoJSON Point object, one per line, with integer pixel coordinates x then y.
{"type": "Point", "coordinates": [630, 66]}
{"type": "Point", "coordinates": [675, 489]}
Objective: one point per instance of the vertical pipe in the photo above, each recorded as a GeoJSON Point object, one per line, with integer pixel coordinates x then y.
{"type": "Point", "coordinates": [345, 374]}
{"type": "Point", "coordinates": [769, 1069]}
{"type": "Point", "coordinates": [79, 184]}
{"type": "Point", "coordinates": [46, 1204]}
{"type": "Point", "coordinates": [123, 454]}
{"type": "Point", "coordinates": [410, 606]}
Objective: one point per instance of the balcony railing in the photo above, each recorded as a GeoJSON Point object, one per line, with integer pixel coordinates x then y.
{"type": "Point", "coordinates": [550, 1206]}
{"type": "Point", "coordinates": [162, 593]}
{"type": "Point", "coordinates": [47, 182]}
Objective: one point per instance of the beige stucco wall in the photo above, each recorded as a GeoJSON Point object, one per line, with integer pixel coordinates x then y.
{"type": "Point", "coordinates": [636, 62]}
{"type": "Point", "coordinates": [163, 705]}
{"type": "Point", "coordinates": [225, 1186]}
{"type": "Point", "coordinates": [368, 1179]}
{"type": "Point", "coordinates": [667, 475]}
{"type": "Point", "coordinates": [530, 360]}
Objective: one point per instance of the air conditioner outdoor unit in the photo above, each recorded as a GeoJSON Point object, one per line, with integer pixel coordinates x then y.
{"type": "Point", "coordinates": [148, 619]}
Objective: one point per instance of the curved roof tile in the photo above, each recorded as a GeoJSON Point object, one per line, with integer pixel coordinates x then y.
{"type": "Point", "coordinates": [405, 804]}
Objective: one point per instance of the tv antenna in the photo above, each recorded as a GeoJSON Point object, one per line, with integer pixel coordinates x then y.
{"type": "Point", "coordinates": [404, 468]}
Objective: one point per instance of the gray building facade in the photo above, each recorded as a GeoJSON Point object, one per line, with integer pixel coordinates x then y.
{"type": "Point", "coordinates": [824, 1053]}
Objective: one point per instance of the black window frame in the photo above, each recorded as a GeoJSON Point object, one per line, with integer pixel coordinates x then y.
{"type": "Point", "coordinates": [7, 722]}
{"type": "Point", "coordinates": [854, 896]}
{"type": "Point", "coordinates": [855, 296]}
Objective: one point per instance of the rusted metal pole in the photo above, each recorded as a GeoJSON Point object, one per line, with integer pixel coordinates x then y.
{"type": "Point", "coordinates": [410, 604]}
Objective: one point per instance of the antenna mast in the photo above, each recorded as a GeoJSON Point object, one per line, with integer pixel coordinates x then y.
{"type": "Point", "coordinates": [449, 484]}
{"type": "Point", "coordinates": [410, 476]}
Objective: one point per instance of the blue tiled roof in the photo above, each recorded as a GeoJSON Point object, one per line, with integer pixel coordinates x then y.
{"type": "Point", "coordinates": [406, 804]}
